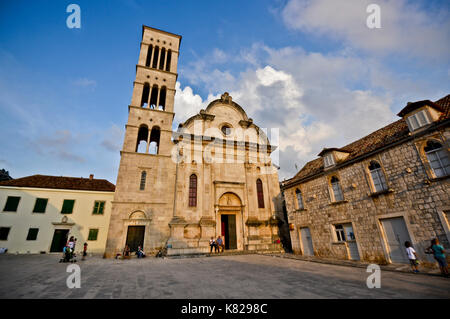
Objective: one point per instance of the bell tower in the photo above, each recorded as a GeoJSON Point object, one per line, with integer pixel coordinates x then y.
{"type": "Point", "coordinates": [144, 196]}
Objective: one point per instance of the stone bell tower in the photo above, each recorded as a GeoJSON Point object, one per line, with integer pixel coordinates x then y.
{"type": "Point", "coordinates": [144, 196]}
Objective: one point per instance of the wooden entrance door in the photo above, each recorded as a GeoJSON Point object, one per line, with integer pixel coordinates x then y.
{"type": "Point", "coordinates": [229, 231]}
{"type": "Point", "coordinates": [135, 237]}
{"type": "Point", "coordinates": [59, 240]}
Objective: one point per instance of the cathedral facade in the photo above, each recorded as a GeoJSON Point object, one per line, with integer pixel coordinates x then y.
{"type": "Point", "coordinates": [213, 176]}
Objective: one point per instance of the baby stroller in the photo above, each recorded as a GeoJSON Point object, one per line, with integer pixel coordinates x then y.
{"type": "Point", "coordinates": [68, 256]}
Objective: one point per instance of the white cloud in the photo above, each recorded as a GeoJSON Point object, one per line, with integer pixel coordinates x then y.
{"type": "Point", "coordinates": [315, 100]}
{"type": "Point", "coordinates": [85, 82]}
{"type": "Point", "coordinates": [113, 138]}
{"type": "Point", "coordinates": [406, 28]}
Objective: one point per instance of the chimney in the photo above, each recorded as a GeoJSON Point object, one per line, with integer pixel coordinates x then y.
{"type": "Point", "coordinates": [91, 177]}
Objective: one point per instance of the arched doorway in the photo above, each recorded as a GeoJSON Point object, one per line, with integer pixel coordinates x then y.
{"type": "Point", "coordinates": [136, 231]}
{"type": "Point", "coordinates": [229, 220]}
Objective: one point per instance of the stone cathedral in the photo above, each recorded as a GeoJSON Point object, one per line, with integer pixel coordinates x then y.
{"type": "Point", "coordinates": [212, 176]}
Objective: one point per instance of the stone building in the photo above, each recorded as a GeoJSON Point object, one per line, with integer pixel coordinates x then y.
{"type": "Point", "coordinates": [364, 200]}
{"type": "Point", "coordinates": [211, 177]}
{"type": "Point", "coordinates": [39, 213]}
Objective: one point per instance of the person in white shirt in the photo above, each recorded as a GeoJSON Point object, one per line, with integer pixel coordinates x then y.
{"type": "Point", "coordinates": [412, 256]}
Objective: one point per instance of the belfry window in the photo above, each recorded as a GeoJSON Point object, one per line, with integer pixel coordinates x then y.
{"type": "Point", "coordinates": [438, 159]}
{"type": "Point", "coordinates": [149, 55]}
{"type": "Point", "coordinates": [162, 98]}
{"type": "Point", "coordinates": [154, 97]}
{"type": "Point", "coordinates": [154, 140]}
{"type": "Point", "coordinates": [193, 190]}
{"type": "Point", "coordinates": [379, 182]}
{"type": "Point", "coordinates": [259, 190]}
{"type": "Point", "coordinates": [141, 144]}
{"type": "Point", "coordinates": [155, 58]}
{"type": "Point", "coordinates": [162, 58]}
{"type": "Point", "coordinates": [145, 95]}
{"type": "Point", "coordinates": [169, 56]}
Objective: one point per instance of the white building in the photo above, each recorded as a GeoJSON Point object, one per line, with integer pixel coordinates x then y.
{"type": "Point", "coordinates": [39, 213]}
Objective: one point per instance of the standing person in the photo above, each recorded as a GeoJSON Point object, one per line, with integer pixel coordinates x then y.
{"type": "Point", "coordinates": [84, 251]}
{"type": "Point", "coordinates": [412, 256]}
{"type": "Point", "coordinates": [212, 244]}
{"type": "Point", "coordinates": [219, 242]}
{"type": "Point", "coordinates": [438, 252]}
{"type": "Point", "coordinates": [71, 244]}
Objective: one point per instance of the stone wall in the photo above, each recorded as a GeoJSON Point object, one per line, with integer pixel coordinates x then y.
{"type": "Point", "coordinates": [413, 194]}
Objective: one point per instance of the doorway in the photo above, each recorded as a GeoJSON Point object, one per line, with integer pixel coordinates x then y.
{"type": "Point", "coordinates": [307, 244]}
{"type": "Point", "coordinates": [59, 240]}
{"type": "Point", "coordinates": [228, 223]}
{"type": "Point", "coordinates": [135, 237]}
{"type": "Point", "coordinates": [396, 235]}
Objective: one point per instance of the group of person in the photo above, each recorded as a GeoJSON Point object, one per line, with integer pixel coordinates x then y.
{"type": "Point", "coordinates": [69, 250]}
{"type": "Point", "coordinates": [126, 253]}
{"type": "Point", "coordinates": [438, 253]}
{"type": "Point", "coordinates": [217, 244]}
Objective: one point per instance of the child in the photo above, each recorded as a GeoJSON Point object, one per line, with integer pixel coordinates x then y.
{"type": "Point", "coordinates": [412, 256]}
{"type": "Point", "coordinates": [438, 252]}
{"type": "Point", "coordinates": [84, 251]}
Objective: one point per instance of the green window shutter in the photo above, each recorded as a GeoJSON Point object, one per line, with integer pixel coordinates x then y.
{"type": "Point", "coordinates": [67, 207]}
{"type": "Point", "coordinates": [11, 204]}
{"type": "Point", "coordinates": [95, 210]}
{"type": "Point", "coordinates": [32, 233]}
{"type": "Point", "coordinates": [93, 233]}
{"type": "Point", "coordinates": [40, 205]}
{"type": "Point", "coordinates": [98, 208]}
{"type": "Point", "coordinates": [102, 205]}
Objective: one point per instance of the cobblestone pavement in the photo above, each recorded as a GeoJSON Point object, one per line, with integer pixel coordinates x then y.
{"type": "Point", "coordinates": [241, 276]}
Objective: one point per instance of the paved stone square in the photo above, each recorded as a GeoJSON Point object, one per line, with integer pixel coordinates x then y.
{"type": "Point", "coordinates": [241, 276]}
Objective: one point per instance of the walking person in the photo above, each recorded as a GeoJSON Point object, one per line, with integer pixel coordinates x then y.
{"type": "Point", "coordinates": [412, 256]}
{"type": "Point", "coordinates": [212, 244]}
{"type": "Point", "coordinates": [84, 251]}
{"type": "Point", "coordinates": [438, 253]}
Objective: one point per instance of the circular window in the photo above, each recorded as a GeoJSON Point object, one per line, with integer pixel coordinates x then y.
{"type": "Point", "coordinates": [226, 129]}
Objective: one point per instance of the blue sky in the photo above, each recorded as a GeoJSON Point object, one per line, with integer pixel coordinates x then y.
{"type": "Point", "coordinates": [306, 68]}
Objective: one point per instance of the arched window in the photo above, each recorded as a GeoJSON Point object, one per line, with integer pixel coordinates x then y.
{"type": "Point", "coordinates": [145, 94]}
{"type": "Point", "coordinates": [379, 182]}
{"type": "Point", "coordinates": [169, 56]}
{"type": "Point", "coordinates": [154, 140]}
{"type": "Point", "coordinates": [155, 58]}
{"type": "Point", "coordinates": [143, 177]}
{"type": "Point", "coordinates": [259, 190]}
{"type": "Point", "coordinates": [149, 55]}
{"type": "Point", "coordinates": [162, 58]}
{"type": "Point", "coordinates": [162, 98]}
{"type": "Point", "coordinates": [193, 190]}
{"type": "Point", "coordinates": [141, 144]}
{"type": "Point", "coordinates": [298, 193]}
{"type": "Point", "coordinates": [336, 188]}
{"type": "Point", "coordinates": [154, 97]}
{"type": "Point", "coordinates": [438, 158]}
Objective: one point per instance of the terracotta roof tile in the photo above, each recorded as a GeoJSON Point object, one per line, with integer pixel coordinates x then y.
{"type": "Point", "coordinates": [61, 182]}
{"type": "Point", "coordinates": [376, 140]}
